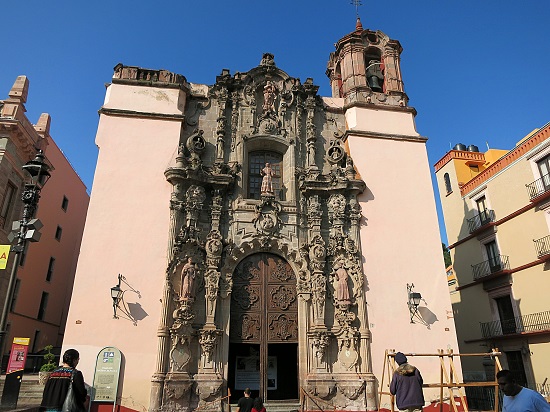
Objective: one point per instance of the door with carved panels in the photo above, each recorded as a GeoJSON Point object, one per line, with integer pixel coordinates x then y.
{"type": "Point", "coordinates": [264, 316]}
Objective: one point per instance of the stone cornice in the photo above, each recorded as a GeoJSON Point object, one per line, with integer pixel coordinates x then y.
{"type": "Point", "coordinates": [147, 115]}
{"type": "Point", "coordinates": [362, 133]}
{"type": "Point", "coordinates": [406, 109]}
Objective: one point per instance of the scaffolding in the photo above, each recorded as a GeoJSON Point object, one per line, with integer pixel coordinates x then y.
{"type": "Point", "coordinates": [448, 377]}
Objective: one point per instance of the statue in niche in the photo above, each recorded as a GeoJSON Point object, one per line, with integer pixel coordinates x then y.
{"type": "Point", "coordinates": [375, 76]}
{"type": "Point", "coordinates": [270, 93]}
{"type": "Point", "coordinates": [188, 276]}
{"type": "Point", "coordinates": [267, 180]}
{"type": "Point", "coordinates": [342, 289]}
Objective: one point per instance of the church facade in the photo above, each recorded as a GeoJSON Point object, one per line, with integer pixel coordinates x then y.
{"type": "Point", "coordinates": [273, 235]}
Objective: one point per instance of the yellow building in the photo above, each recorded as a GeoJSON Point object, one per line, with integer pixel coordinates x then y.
{"type": "Point", "coordinates": [496, 207]}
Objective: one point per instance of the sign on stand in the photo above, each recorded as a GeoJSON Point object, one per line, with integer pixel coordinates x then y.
{"type": "Point", "coordinates": [107, 371]}
{"type": "Point", "coordinates": [14, 373]}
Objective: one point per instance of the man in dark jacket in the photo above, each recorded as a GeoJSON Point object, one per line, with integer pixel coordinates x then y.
{"type": "Point", "coordinates": [406, 385]}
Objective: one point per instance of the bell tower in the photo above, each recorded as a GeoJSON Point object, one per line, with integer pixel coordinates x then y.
{"type": "Point", "coordinates": [365, 68]}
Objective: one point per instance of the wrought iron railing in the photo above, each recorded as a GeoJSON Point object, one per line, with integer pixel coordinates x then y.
{"type": "Point", "coordinates": [481, 219]}
{"type": "Point", "coordinates": [542, 246]}
{"type": "Point", "coordinates": [488, 267]}
{"type": "Point", "coordinates": [482, 398]}
{"type": "Point", "coordinates": [538, 187]}
{"type": "Point", "coordinates": [535, 322]}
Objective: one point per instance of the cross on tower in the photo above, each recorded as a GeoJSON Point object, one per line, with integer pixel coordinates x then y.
{"type": "Point", "coordinates": [356, 3]}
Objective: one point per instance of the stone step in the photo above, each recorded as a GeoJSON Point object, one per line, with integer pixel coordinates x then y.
{"type": "Point", "coordinates": [277, 406]}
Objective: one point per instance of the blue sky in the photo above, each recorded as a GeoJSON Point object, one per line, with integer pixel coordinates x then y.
{"type": "Point", "coordinates": [475, 70]}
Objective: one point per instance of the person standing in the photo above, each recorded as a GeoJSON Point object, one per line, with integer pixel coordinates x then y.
{"type": "Point", "coordinates": [246, 403]}
{"type": "Point", "coordinates": [59, 381]}
{"type": "Point", "coordinates": [258, 405]}
{"type": "Point", "coordinates": [406, 385]}
{"type": "Point", "coordinates": [517, 398]}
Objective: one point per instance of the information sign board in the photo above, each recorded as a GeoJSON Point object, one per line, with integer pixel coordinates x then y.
{"type": "Point", "coordinates": [107, 370]}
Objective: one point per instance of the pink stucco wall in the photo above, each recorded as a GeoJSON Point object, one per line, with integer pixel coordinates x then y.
{"type": "Point", "coordinates": [126, 233]}
{"type": "Point", "coordinates": [23, 323]}
{"type": "Point", "coordinates": [401, 244]}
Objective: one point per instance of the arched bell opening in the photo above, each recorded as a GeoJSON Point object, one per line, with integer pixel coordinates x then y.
{"type": "Point", "coordinates": [374, 69]}
{"type": "Point", "coordinates": [263, 329]}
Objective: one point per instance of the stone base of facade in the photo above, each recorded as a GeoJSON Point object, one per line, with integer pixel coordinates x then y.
{"type": "Point", "coordinates": [350, 391]}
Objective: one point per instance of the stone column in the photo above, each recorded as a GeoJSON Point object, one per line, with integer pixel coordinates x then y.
{"type": "Point", "coordinates": [163, 332]}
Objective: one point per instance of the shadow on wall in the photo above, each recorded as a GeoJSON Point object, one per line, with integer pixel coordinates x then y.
{"type": "Point", "coordinates": [426, 316]}
{"type": "Point", "coordinates": [136, 312]}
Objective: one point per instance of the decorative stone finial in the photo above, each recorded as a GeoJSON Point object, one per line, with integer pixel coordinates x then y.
{"type": "Point", "coordinates": [43, 125]}
{"type": "Point", "coordinates": [20, 89]}
{"type": "Point", "coordinates": [358, 25]}
{"type": "Point", "coordinates": [267, 60]}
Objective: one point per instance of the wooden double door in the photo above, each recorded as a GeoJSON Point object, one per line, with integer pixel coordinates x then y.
{"type": "Point", "coordinates": [263, 333]}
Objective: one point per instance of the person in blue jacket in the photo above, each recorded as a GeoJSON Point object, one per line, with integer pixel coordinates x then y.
{"type": "Point", "coordinates": [406, 385]}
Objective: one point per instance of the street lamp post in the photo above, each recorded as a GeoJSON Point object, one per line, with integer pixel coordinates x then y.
{"type": "Point", "coordinates": [26, 229]}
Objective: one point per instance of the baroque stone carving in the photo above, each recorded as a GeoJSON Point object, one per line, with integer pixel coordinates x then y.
{"type": "Point", "coordinates": [208, 340]}
{"type": "Point", "coordinates": [321, 341]}
{"type": "Point", "coordinates": [266, 219]}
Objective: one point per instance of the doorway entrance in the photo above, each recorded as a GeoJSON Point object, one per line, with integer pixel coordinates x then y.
{"type": "Point", "coordinates": [263, 333]}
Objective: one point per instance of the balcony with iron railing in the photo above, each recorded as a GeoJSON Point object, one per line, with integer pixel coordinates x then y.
{"type": "Point", "coordinates": [542, 246]}
{"type": "Point", "coordinates": [492, 266]}
{"type": "Point", "coordinates": [539, 189]}
{"type": "Point", "coordinates": [536, 322]}
{"type": "Point", "coordinates": [481, 219]}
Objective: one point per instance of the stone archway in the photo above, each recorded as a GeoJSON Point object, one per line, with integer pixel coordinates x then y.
{"type": "Point", "coordinates": [263, 333]}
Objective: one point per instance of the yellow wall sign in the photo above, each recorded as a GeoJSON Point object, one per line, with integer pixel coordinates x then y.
{"type": "Point", "coordinates": [22, 341]}
{"type": "Point", "coordinates": [4, 254]}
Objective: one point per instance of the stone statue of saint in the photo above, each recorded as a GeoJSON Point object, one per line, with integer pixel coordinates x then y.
{"type": "Point", "coordinates": [269, 97]}
{"type": "Point", "coordinates": [188, 276]}
{"type": "Point", "coordinates": [267, 180]}
{"type": "Point", "coordinates": [342, 290]}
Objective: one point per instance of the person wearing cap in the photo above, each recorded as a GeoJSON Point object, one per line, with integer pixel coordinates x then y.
{"type": "Point", "coordinates": [406, 385]}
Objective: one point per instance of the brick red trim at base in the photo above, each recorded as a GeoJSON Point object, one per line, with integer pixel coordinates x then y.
{"type": "Point", "coordinates": [434, 407]}
{"type": "Point", "coordinates": [108, 407]}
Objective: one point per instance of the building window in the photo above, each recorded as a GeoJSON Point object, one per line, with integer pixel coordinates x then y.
{"type": "Point", "coordinates": [506, 314]}
{"type": "Point", "coordinates": [50, 269]}
{"type": "Point", "coordinates": [544, 169]}
{"type": "Point", "coordinates": [256, 162]}
{"type": "Point", "coordinates": [65, 203]}
{"type": "Point", "coordinates": [15, 293]}
{"type": "Point", "coordinates": [43, 305]}
{"type": "Point", "coordinates": [447, 180]}
{"type": "Point", "coordinates": [58, 232]}
{"type": "Point", "coordinates": [493, 256]}
{"type": "Point", "coordinates": [7, 204]}
{"type": "Point", "coordinates": [516, 366]}
{"type": "Point", "coordinates": [484, 216]}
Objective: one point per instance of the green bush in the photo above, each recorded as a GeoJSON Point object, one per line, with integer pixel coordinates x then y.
{"type": "Point", "coordinates": [49, 357]}
{"type": "Point", "coordinates": [48, 367]}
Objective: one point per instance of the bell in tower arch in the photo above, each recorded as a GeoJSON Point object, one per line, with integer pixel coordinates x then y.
{"type": "Point", "coordinates": [375, 77]}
